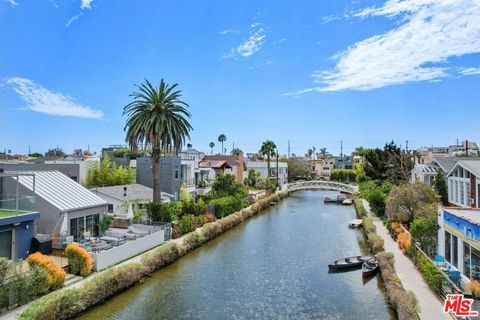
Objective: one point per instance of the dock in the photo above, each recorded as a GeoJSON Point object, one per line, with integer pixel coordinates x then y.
{"type": "Point", "coordinates": [355, 223]}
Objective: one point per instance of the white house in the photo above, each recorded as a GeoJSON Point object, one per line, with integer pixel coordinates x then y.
{"type": "Point", "coordinates": [262, 168]}
{"type": "Point", "coordinates": [120, 197]}
{"type": "Point", "coordinates": [464, 183]}
{"type": "Point", "coordinates": [424, 173]}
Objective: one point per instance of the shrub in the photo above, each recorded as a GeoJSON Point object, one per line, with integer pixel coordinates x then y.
{"type": "Point", "coordinates": [200, 221]}
{"type": "Point", "coordinates": [210, 217]}
{"type": "Point", "coordinates": [361, 211]}
{"type": "Point", "coordinates": [56, 275]}
{"type": "Point", "coordinates": [474, 286]}
{"type": "Point", "coordinates": [23, 287]}
{"type": "Point", "coordinates": [64, 304]}
{"type": "Point", "coordinates": [163, 255]}
{"type": "Point", "coordinates": [164, 212]}
{"type": "Point", "coordinates": [227, 205]}
{"type": "Point", "coordinates": [368, 225]}
{"type": "Point", "coordinates": [105, 222]}
{"type": "Point", "coordinates": [403, 301]}
{"type": "Point", "coordinates": [79, 260]}
{"type": "Point", "coordinates": [192, 241]}
{"type": "Point", "coordinates": [211, 230]}
{"type": "Point", "coordinates": [404, 241]}
{"type": "Point", "coordinates": [376, 243]}
{"type": "Point", "coordinates": [176, 231]}
{"type": "Point", "coordinates": [429, 271]}
{"type": "Point", "coordinates": [187, 223]}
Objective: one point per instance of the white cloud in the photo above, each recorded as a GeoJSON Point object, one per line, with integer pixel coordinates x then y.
{"type": "Point", "coordinates": [86, 4]}
{"type": "Point", "coordinates": [73, 19]}
{"type": "Point", "coordinates": [14, 3]}
{"type": "Point", "coordinates": [470, 71]}
{"type": "Point", "coordinates": [40, 99]}
{"type": "Point", "coordinates": [427, 34]}
{"type": "Point", "coordinates": [251, 45]}
{"type": "Point", "coordinates": [227, 31]}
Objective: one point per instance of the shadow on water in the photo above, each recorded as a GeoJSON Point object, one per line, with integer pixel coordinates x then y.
{"type": "Point", "coordinates": [274, 266]}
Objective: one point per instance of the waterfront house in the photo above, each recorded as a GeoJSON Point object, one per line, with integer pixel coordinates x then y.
{"type": "Point", "coordinates": [70, 169]}
{"type": "Point", "coordinates": [262, 168]}
{"type": "Point", "coordinates": [212, 168]}
{"type": "Point", "coordinates": [236, 162]}
{"type": "Point", "coordinates": [120, 197]}
{"type": "Point", "coordinates": [463, 182]}
{"type": "Point", "coordinates": [65, 207]}
{"type": "Point", "coordinates": [459, 240]}
{"type": "Point", "coordinates": [17, 216]}
{"type": "Point", "coordinates": [170, 176]}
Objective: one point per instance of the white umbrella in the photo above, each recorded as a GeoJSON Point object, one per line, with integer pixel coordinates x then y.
{"type": "Point", "coordinates": [130, 211]}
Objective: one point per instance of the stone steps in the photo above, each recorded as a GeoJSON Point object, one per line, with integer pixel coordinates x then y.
{"type": "Point", "coordinates": [71, 279]}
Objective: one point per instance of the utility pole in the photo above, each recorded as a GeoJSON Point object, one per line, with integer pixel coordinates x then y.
{"type": "Point", "coordinates": [289, 149]}
{"type": "Point", "coordinates": [29, 153]}
{"type": "Point", "coordinates": [466, 148]}
{"type": "Point", "coordinates": [277, 167]}
{"type": "Point", "coordinates": [406, 145]}
{"type": "Point", "coordinates": [233, 147]}
{"type": "Point", "coordinates": [341, 149]}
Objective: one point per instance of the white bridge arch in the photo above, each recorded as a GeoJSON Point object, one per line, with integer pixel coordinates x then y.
{"type": "Point", "coordinates": [320, 184]}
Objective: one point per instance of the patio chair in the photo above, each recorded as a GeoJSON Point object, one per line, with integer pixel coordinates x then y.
{"type": "Point", "coordinates": [439, 259]}
{"type": "Point", "coordinates": [455, 277]}
{"type": "Point", "coordinates": [137, 232]}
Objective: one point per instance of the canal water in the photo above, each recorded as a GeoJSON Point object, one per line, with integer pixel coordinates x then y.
{"type": "Point", "coordinates": [274, 266]}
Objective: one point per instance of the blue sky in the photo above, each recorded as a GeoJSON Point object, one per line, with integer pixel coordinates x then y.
{"type": "Point", "coordinates": [363, 72]}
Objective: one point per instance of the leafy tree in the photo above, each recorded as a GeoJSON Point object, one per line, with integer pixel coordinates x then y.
{"type": "Point", "coordinates": [227, 185]}
{"type": "Point", "coordinates": [236, 151]}
{"type": "Point", "coordinates": [252, 178]}
{"type": "Point", "coordinates": [108, 174]}
{"type": "Point", "coordinates": [441, 186]}
{"type": "Point", "coordinates": [157, 117]}
{"type": "Point", "coordinates": [222, 138]}
{"type": "Point", "coordinates": [297, 169]}
{"type": "Point", "coordinates": [409, 201]}
{"type": "Point", "coordinates": [211, 145]}
{"type": "Point", "coordinates": [36, 155]}
{"type": "Point", "coordinates": [323, 152]}
{"type": "Point", "coordinates": [424, 231]}
{"type": "Point", "coordinates": [391, 163]}
{"type": "Point", "coordinates": [268, 150]}
{"type": "Point", "coordinates": [376, 194]}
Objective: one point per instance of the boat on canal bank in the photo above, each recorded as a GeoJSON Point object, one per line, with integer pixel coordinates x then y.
{"type": "Point", "coordinates": [370, 267]}
{"type": "Point", "coordinates": [347, 263]}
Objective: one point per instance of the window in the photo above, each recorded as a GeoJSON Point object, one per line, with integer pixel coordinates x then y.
{"type": "Point", "coordinates": [447, 247]}
{"type": "Point", "coordinates": [110, 208]}
{"type": "Point", "coordinates": [455, 250]}
{"type": "Point", "coordinates": [466, 260]}
{"type": "Point", "coordinates": [176, 174]}
{"type": "Point", "coordinates": [462, 193]}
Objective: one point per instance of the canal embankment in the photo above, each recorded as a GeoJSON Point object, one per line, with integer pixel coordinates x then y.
{"type": "Point", "coordinates": [68, 303]}
{"type": "Point", "coordinates": [402, 277]}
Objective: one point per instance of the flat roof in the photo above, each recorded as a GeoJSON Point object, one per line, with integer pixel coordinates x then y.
{"type": "Point", "coordinates": [472, 215]}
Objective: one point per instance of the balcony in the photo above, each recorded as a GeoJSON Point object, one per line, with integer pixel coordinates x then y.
{"type": "Point", "coordinates": [12, 202]}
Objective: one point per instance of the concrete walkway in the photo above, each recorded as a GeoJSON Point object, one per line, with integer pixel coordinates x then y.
{"type": "Point", "coordinates": [431, 307]}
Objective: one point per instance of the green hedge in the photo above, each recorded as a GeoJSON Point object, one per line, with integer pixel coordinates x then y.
{"type": "Point", "coordinates": [226, 205]}
{"type": "Point", "coordinates": [361, 211]}
{"type": "Point", "coordinates": [430, 273]}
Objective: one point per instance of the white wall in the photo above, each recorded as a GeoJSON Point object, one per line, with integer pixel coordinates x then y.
{"type": "Point", "coordinates": [108, 258]}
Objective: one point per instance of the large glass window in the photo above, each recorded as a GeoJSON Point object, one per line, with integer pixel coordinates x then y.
{"type": "Point", "coordinates": [462, 194]}
{"type": "Point", "coordinates": [467, 267]}
{"type": "Point", "coordinates": [455, 250]}
{"type": "Point", "coordinates": [6, 244]}
{"type": "Point", "coordinates": [447, 247]}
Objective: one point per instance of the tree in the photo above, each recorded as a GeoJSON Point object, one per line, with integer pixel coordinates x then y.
{"type": "Point", "coordinates": [157, 117]}
{"type": "Point", "coordinates": [391, 163]}
{"type": "Point", "coordinates": [310, 152]}
{"type": "Point", "coordinates": [55, 152]}
{"type": "Point", "coordinates": [376, 194]}
{"type": "Point", "coordinates": [409, 201]}
{"type": "Point", "coordinates": [424, 231]}
{"type": "Point", "coordinates": [226, 185]}
{"type": "Point", "coordinates": [297, 169]}
{"type": "Point", "coordinates": [323, 152]}
{"type": "Point", "coordinates": [268, 150]}
{"type": "Point", "coordinates": [236, 151]}
{"type": "Point", "coordinates": [222, 138]}
{"type": "Point", "coordinates": [36, 155]}
{"type": "Point", "coordinates": [211, 145]}
{"type": "Point", "coordinates": [108, 174]}
{"type": "Point", "coordinates": [441, 186]}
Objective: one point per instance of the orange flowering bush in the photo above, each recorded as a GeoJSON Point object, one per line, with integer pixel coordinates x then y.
{"type": "Point", "coordinates": [56, 275]}
{"type": "Point", "coordinates": [404, 241]}
{"type": "Point", "coordinates": [79, 260]}
{"type": "Point", "coordinates": [474, 286]}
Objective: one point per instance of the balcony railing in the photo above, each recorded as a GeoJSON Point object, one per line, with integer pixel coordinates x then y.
{"type": "Point", "coordinates": [12, 202]}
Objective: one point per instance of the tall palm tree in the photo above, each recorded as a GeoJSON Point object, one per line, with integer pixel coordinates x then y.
{"type": "Point", "coordinates": [222, 138]}
{"type": "Point", "coordinates": [310, 152]}
{"type": "Point", "coordinates": [157, 117]}
{"type": "Point", "coordinates": [211, 146]}
{"type": "Point", "coordinates": [323, 152]}
{"type": "Point", "coordinates": [268, 150]}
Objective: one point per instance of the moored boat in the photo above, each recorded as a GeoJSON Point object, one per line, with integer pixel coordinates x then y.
{"type": "Point", "coordinates": [349, 262]}
{"type": "Point", "coordinates": [370, 267]}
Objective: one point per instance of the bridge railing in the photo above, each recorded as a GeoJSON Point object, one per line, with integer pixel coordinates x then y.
{"type": "Point", "coordinates": [321, 184]}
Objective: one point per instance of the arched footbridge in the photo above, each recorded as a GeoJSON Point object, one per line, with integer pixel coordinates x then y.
{"type": "Point", "coordinates": [321, 185]}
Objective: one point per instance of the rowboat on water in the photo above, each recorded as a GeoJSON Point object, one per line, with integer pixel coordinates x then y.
{"type": "Point", "coordinates": [370, 267]}
{"type": "Point", "coordinates": [349, 262]}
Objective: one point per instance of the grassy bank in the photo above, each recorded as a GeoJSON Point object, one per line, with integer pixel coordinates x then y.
{"type": "Point", "coordinates": [68, 303]}
{"type": "Point", "coordinates": [403, 301]}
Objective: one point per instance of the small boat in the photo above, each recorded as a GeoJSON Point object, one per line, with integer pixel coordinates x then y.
{"type": "Point", "coordinates": [348, 262]}
{"type": "Point", "coordinates": [355, 223]}
{"type": "Point", "coordinates": [347, 202]}
{"type": "Point", "coordinates": [370, 267]}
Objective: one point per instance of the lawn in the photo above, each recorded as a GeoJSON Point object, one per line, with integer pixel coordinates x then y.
{"type": "Point", "coordinates": [9, 213]}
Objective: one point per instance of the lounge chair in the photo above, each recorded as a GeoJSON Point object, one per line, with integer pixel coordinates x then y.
{"type": "Point", "coordinates": [455, 277]}
{"type": "Point", "coordinates": [137, 232]}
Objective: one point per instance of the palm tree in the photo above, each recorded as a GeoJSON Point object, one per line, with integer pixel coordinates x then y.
{"type": "Point", "coordinates": [157, 117]}
{"type": "Point", "coordinates": [310, 152]}
{"type": "Point", "coordinates": [323, 152]}
{"type": "Point", "coordinates": [268, 150]}
{"type": "Point", "coordinates": [211, 146]}
{"type": "Point", "coordinates": [222, 138]}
